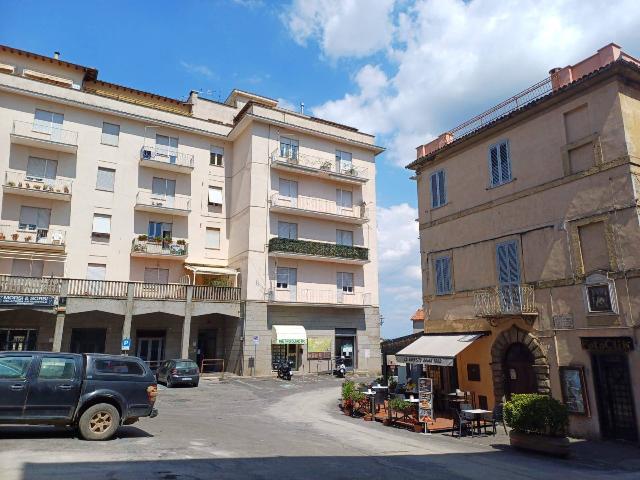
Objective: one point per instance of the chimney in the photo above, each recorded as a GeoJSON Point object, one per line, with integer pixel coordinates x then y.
{"type": "Point", "coordinates": [56, 55]}
{"type": "Point", "coordinates": [302, 108]}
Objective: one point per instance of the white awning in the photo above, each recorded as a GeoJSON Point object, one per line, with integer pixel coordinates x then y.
{"type": "Point", "coordinates": [283, 334]}
{"type": "Point", "coordinates": [205, 270]}
{"type": "Point", "coordinates": [436, 349]}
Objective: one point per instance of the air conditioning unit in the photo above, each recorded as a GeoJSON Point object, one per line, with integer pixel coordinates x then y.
{"type": "Point", "coordinates": [146, 154]}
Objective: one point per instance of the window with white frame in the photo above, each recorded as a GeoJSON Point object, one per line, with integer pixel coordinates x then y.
{"type": "Point", "coordinates": [212, 238]}
{"type": "Point", "coordinates": [438, 189]}
{"type": "Point", "coordinates": [600, 294]}
{"type": "Point", "coordinates": [167, 147]}
{"type": "Point", "coordinates": [289, 148]}
{"type": "Point", "coordinates": [110, 134]}
{"type": "Point", "coordinates": [344, 162]}
{"type": "Point", "coordinates": [345, 282]}
{"type": "Point", "coordinates": [344, 198]}
{"type": "Point", "coordinates": [156, 275]}
{"type": "Point", "coordinates": [47, 122]}
{"type": "Point", "coordinates": [106, 179]}
{"type": "Point", "coordinates": [344, 237]}
{"type": "Point", "coordinates": [101, 225]}
{"type": "Point", "coordinates": [27, 268]}
{"type": "Point", "coordinates": [96, 271]}
{"type": "Point", "coordinates": [288, 230]}
{"type": "Point", "coordinates": [499, 163]}
{"type": "Point", "coordinates": [33, 218]}
{"type": "Point", "coordinates": [215, 196]}
{"type": "Point", "coordinates": [163, 187]}
{"type": "Point", "coordinates": [216, 156]}
{"type": "Point", "coordinates": [288, 188]}
{"type": "Point", "coordinates": [443, 275]}
{"type": "Point", "coordinates": [285, 277]}
{"type": "Point", "coordinates": [41, 169]}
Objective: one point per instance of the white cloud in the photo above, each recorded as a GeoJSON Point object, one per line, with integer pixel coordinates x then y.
{"type": "Point", "coordinates": [342, 27]}
{"type": "Point", "coordinates": [287, 105]}
{"type": "Point", "coordinates": [198, 70]}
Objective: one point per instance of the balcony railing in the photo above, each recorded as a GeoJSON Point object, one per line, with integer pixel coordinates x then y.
{"type": "Point", "coordinates": [319, 205]}
{"type": "Point", "coordinates": [72, 287]}
{"type": "Point", "coordinates": [318, 164]}
{"type": "Point", "coordinates": [172, 248]}
{"type": "Point", "coordinates": [307, 247]}
{"type": "Point", "coordinates": [149, 199]}
{"type": "Point", "coordinates": [307, 295]}
{"type": "Point", "coordinates": [37, 186]}
{"type": "Point", "coordinates": [505, 300]}
{"type": "Point", "coordinates": [45, 133]}
{"type": "Point", "coordinates": [31, 236]}
{"type": "Point", "coordinates": [164, 155]}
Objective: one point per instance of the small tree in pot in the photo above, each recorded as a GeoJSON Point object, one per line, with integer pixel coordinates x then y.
{"type": "Point", "coordinates": [538, 423]}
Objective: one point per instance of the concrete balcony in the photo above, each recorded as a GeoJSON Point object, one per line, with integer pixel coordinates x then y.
{"type": "Point", "coordinates": [32, 238]}
{"type": "Point", "coordinates": [505, 301]}
{"type": "Point", "coordinates": [319, 297]}
{"type": "Point", "coordinates": [19, 183]}
{"type": "Point", "coordinates": [319, 208]}
{"type": "Point", "coordinates": [318, 251]}
{"type": "Point", "coordinates": [318, 167]}
{"type": "Point", "coordinates": [44, 136]}
{"type": "Point", "coordinates": [162, 159]}
{"type": "Point", "coordinates": [149, 202]}
{"type": "Point", "coordinates": [175, 249]}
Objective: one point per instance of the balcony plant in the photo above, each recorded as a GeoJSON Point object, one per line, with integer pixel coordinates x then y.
{"type": "Point", "coordinates": [37, 186]}
{"type": "Point", "coordinates": [317, 248]}
{"type": "Point", "coordinates": [326, 166]}
{"type": "Point", "coordinates": [28, 238]}
{"type": "Point", "coordinates": [2, 237]}
{"type": "Point", "coordinates": [11, 183]}
{"type": "Point", "coordinates": [181, 242]}
{"type": "Point", "coordinates": [65, 189]}
{"type": "Point", "coordinates": [27, 185]}
{"type": "Point", "coordinates": [14, 237]}
{"type": "Point", "coordinates": [142, 238]}
{"type": "Point", "coordinates": [538, 423]}
{"type": "Point", "coordinates": [20, 184]}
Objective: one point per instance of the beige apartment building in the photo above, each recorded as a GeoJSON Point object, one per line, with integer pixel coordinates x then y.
{"type": "Point", "coordinates": [235, 232]}
{"type": "Point", "coordinates": [530, 234]}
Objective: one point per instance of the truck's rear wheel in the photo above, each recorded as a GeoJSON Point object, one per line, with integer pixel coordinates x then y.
{"type": "Point", "coordinates": [99, 422]}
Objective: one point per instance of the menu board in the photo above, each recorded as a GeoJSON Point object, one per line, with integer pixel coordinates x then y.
{"type": "Point", "coordinates": [425, 395]}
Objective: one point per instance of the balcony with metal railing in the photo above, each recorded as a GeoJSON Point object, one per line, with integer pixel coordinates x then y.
{"type": "Point", "coordinates": [319, 297]}
{"type": "Point", "coordinates": [30, 237]}
{"type": "Point", "coordinates": [505, 301]}
{"type": "Point", "coordinates": [19, 183]}
{"type": "Point", "coordinates": [318, 166]}
{"type": "Point", "coordinates": [163, 158]}
{"type": "Point", "coordinates": [147, 201]}
{"type": "Point", "coordinates": [318, 251]}
{"type": "Point", "coordinates": [173, 249]}
{"type": "Point", "coordinates": [47, 136]}
{"type": "Point", "coordinates": [319, 208]}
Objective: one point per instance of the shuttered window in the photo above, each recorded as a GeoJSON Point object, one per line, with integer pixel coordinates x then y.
{"type": "Point", "coordinates": [213, 238]}
{"type": "Point", "coordinates": [438, 189]}
{"type": "Point", "coordinates": [96, 271]}
{"type": "Point", "coordinates": [105, 179]}
{"type": "Point", "coordinates": [27, 268]}
{"type": "Point", "coordinates": [41, 169]}
{"type": "Point", "coordinates": [443, 275]}
{"type": "Point", "coordinates": [288, 230]}
{"type": "Point", "coordinates": [110, 134]}
{"type": "Point", "coordinates": [508, 265]}
{"type": "Point", "coordinates": [33, 218]}
{"type": "Point", "coordinates": [344, 237]}
{"type": "Point", "coordinates": [47, 122]}
{"type": "Point", "coordinates": [345, 282]}
{"type": "Point", "coordinates": [101, 224]}
{"type": "Point", "coordinates": [344, 198]}
{"type": "Point", "coordinates": [286, 277]}
{"type": "Point", "coordinates": [499, 163]}
{"type": "Point", "coordinates": [156, 275]}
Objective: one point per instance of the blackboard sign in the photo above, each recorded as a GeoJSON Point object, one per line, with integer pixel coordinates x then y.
{"type": "Point", "coordinates": [425, 396]}
{"type": "Point", "coordinates": [42, 301]}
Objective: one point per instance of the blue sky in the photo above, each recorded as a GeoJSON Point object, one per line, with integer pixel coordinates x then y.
{"type": "Point", "coordinates": [405, 70]}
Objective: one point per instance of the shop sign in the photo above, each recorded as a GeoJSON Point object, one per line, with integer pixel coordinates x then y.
{"type": "Point", "coordinates": [319, 348]}
{"type": "Point", "coordinates": [441, 361]}
{"type": "Point", "coordinates": [41, 301]}
{"type": "Point", "coordinates": [291, 341]}
{"type": "Point", "coordinates": [607, 344]}
{"type": "Point", "coordinates": [425, 397]}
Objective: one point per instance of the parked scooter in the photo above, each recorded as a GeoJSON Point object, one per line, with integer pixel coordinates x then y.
{"type": "Point", "coordinates": [341, 369]}
{"type": "Point", "coordinates": [284, 370]}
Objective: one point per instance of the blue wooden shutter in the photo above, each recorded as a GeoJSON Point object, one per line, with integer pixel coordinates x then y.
{"type": "Point", "coordinates": [441, 188]}
{"type": "Point", "coordinates": [443, 275]}
{"type": "Point", "coordinates": [494, 165]}
{"type": "Point", "coordinates": [508, 265]}
{"type": "Point", "coordinates": [505, 163]}
{"type": "Point", "coordinates": [434, 190]}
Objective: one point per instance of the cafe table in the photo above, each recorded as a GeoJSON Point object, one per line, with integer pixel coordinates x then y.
{"type": "Point", "coordinates": [476, 413]}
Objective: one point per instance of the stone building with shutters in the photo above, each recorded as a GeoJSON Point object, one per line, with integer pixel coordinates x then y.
{"type": "Point", "coordinates": [235, 233]}
{"type": "Point", "coordinates": [529, 237]}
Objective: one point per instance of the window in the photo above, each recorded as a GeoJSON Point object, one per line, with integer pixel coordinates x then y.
{"type": "Point", "coordinates": [32, 218]}
{"type": "Point", "coordinates": [18, 340]}
{"type": "Point", "coordinates": [344, 237]}
{"type": "Point", "coordinates": [288, 188]}
{"type": "Point", "coordinates": [508, 264]}
{"type": "Point", "coordinates": [41, 169]}
{"type": "Point", "coordinates": [101, 225]}
{"type": "Point", "coordinates": [57, 368]}
{"type": "Point", "coordinates": [118, 367]}
{"type": "Point", "coordinates": [473, 372]}
{"type": "Point", "coordinates": [167, 147]}
{"type": "Point", "coordinates": [344, 163]}
{"type": "Point", "coordinates": [288, 230]}
{"type": "Point", "coordinates": [213, 238]}
{"type": "Point", "coordinates": [106, 178]}
{"type": "Point", "coordinates": [110, 134]}
{"type": "Point", "coordinates": [344, 198]}
{"type": "Point", "coordinates": [47, 122]}
{"type": "Point", "coordinates": [285, 277]}
{"type": "Point", "coordinates": [216, 156]}
{"type": "Point", "coordinates": [156, 275]}
{"type": "Point", "coordinates": [499, 163]}
{"type": "Point", "coordinates": [14, 367]}
{"type": "Point", "coordinates": [438, 189]}
{"type": "Point", "coordinates": [600, 292]}
{"type": "Point", "coordinates": [288, 148]}
{"type": "Point", "coordinates": [345, 282]}
{"type": "Point", "coordinates": [215, 196]}
{"type": "Point", "coordinates": [163, 187]}
{"type": "Point", "coordinates": [159, 230]}
{"type": "Point", "coordinates": [443, 275]}
{"type": "Point", "coordinates": [96, 271]}
{"type": "Point", "coordinates": [27, 268]}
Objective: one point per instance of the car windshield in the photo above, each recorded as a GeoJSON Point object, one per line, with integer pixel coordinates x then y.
{"type": "Point", "coordinates": [186, 364]}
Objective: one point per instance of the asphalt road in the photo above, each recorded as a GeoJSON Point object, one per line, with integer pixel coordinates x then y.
{"type": "Point", "coordinates": [270, 429]}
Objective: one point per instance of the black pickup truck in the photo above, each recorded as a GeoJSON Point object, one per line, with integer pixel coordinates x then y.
{"type": "Point", "coordinates": [93, 392]}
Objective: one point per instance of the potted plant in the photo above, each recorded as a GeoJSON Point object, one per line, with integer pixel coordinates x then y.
{"type": "Point", "coordinates": [14, 237]}
{"type": "Point", "coordinates": [28, 238]}
{"type": "Point", "coordinates": [27, 185]}
{"type": "Point", "coordinates": [538, 423]}
{"type": "Point", "coordinates": [37, 186]}
{"type": "Point", "coordinates": [393, 384]}
{"type": "Point", "coordinates": [2, 236]}
{"type": "Point", "coordinates": [142, 238]}
{"type": "Point", "coordinates": [66, 189]}
{"type": "Point", "coordinates": [325, 166]}
{"type": "Point", "coordinates": [11, 183]}
{"type": "Point", "coordinates": [399, 405]}
{"type": "Point", "coordinates": [20, 184]}
{"type": "Point", "coordinates": [181, 242]}
{"type": "Point", "coordinates": [348, 387]}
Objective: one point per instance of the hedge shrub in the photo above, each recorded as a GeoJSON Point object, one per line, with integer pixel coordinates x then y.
{"type": "Point", "coordinates": [536, 414]}
{"type": "Point", "coordinates": [317, 248]}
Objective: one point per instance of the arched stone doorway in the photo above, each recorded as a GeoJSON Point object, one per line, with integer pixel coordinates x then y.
{"type": "Point", "coordinates": [518, 363]}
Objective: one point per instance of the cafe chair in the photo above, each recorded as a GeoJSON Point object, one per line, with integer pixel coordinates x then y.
{"type": "Point", "coordinates": [492, 419]}
{"type": "Point", "coordinates": [460, 424]}
{"type": "Point", "coordinates": [379, 398]}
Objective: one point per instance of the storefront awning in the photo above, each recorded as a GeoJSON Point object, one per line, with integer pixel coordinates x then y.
{"type": "Point", "coordinates": [436, 349]}
{"type": "Point", "coordinates": [283, 334]}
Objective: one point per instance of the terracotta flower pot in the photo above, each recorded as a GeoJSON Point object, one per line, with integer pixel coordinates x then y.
{"type": "Point", "coordinates": [555, 446]}
{"type": "Point", "coordinates": [387, 422]}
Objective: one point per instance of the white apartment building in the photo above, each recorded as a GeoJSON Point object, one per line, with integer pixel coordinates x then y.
{"type": "Point", "coordinates": [233, 233]}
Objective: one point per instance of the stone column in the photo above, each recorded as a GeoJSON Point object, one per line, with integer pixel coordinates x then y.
{"type": "Point", "coordinates": [186, 324]}
{"type": "Point", "coordinates": [128, 315]}
{"type": "Point", "coordinates": [57, 334]}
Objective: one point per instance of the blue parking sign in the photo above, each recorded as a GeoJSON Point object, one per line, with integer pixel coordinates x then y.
{"type": "Point", "coordinates": [126, 344]}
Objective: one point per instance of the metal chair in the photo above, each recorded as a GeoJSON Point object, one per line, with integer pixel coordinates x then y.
{"type": "Point", "coordinates": [460, 423]}
{"type": "Point", "coordinates": [379, 398]}
{"type": "Point", "coordinates": [492, 419]}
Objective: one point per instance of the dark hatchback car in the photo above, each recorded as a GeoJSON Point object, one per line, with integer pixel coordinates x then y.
{"type": "Point", "coordinates": [178, 372]}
